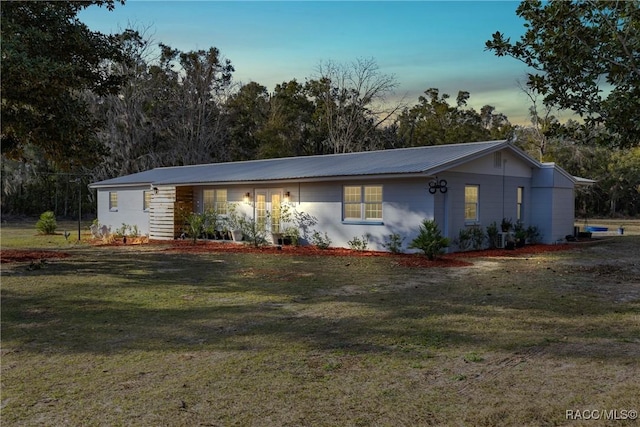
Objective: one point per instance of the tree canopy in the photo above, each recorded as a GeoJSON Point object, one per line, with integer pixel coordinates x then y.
{"type": "Point", "coordinates": [434, 122]}
{"type": "Point", "coordinates": [78, 101]}
{"type": "Point", "coordinates": [586, 57]}
{"type": "Point", "coordinates": [48, 58]}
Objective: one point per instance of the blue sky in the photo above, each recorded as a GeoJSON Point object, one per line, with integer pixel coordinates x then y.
{"type": "Point", "coordinates": [423, 43]}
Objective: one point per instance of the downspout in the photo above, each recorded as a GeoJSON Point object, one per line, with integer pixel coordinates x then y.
{"type": "Point", "coordinates": [504, 167]}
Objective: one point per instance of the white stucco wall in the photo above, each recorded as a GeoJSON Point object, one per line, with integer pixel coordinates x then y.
{"type": "Point", "coordinates": [553, 203]}
{"type": "Point", "coordinates": [130, 208]}
{"type": "Point", "coordinates": [548, 201]}
{"type": "Point", "coordinates": [406, 203]}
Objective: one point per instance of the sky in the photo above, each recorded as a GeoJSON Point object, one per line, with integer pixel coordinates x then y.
{"type": "Point", "coordinates": [424, 44]}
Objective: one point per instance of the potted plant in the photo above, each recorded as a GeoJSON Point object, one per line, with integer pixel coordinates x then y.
{"type": "Point", "coordinates": [288, 234]}
{"type": "Point", "coordinates": [291, 236]}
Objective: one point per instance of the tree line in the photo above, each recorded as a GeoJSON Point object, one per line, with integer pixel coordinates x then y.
{"type": "Point", "coordinates": [95, 107]}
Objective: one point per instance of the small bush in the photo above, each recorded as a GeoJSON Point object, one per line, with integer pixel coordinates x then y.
{"type": "Point", "coordinates": [533, 234]}
{"type": "Point", "coordinates": [393, 243]}
{"type": "Point", "coordinates": [320, 241]}
{"type": "Point", "coordinates": [520, 233]}
{"type": "Point", "coordinates": [470, 238]}
{"type": "Point", "coordinates": [477, 238]}
{"type": "Point", "coordinates": [473, 357]}
{"type": "Point", "coordinates": [122, 231]}
{"type": "Point", "coordinates": [254, 231]}
{"type": "Point", "coordinates": [195, 225]}
{"type": "Point", "coordinates": [47, 223]}
{"type": "Point", "coordinates": [359, 243]}
{"type": "Point", "coordinates": [492, 235]}
{"type": "Point", "coordinates": [430, 240]}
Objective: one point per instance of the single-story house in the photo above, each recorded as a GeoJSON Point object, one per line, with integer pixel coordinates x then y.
{"type": "Point", "coordinates": [373, 193]}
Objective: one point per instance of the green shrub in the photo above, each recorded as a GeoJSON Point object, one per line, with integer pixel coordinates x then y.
{"type": "Point", "coordinates": [470, 238]}
{"type": "Point", "coordinates": [492, 235]}
{"type": "Point", "coordinates": [520, 233]}
{"type": "Point", "coordinates": [254, 231]}
{"type": "Point", "coordinates": [210, 223]}
{"type": "Point", "coordinates": [393, 243]}
{"type": "Point", "coordinates": [195, 225]}
{"type": "Point", "coordinates": [430, 240]}
{"type": "Point", "coordinates": [533, 234]}
{"type": "Point", "coordinates": [47, 223]}
{"type": "Point", "coordinates": [506, 225]}
{"type": "Point", "coordinates": [320, 241]}
{"type": "Point", "coordinates": [359, 243]}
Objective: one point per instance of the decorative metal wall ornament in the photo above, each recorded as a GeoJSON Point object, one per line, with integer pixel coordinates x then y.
{"type": "Point", "coordinates": [436, 185]}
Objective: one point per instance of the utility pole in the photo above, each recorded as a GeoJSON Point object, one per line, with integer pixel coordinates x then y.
{"type": "Point", "coordinates": [79, 181]}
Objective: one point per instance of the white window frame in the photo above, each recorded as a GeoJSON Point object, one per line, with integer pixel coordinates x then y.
{"type": "Point", "coordinates": [146, 200]}
{"type": "Point", "coordinates": [113, 201]}
{"type": "Point", "coordinates": [519, 203]}
{"type": "Point", "coordinates": [360, 201]}
{"type": "Point", "coordinates": [475, 204]}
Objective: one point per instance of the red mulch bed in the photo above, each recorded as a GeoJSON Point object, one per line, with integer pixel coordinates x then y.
{"type": "Point", "coordinates": [20, 255]}
{"type": "Point", "coordinates": [407, 260]}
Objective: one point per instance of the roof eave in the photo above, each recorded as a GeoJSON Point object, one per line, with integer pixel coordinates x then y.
{"type": "Point", "coordinates": [98, 185]}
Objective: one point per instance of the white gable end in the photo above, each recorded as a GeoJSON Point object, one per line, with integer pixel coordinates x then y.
{"type": "Point", "coordinates": [502, 162]}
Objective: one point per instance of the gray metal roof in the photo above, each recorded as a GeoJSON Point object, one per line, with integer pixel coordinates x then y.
{"type": "Point", "coordinates": [417, 160]}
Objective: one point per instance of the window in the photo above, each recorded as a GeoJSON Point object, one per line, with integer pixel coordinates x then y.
{"type": "Point", "coordinates": [519, 198]}
{"type": "Point", "coordinates": [362, 202]}
{"type": "Point", "coordinates": [146, 202]}
{"type": "Point", "coordinates": [215, 200]}
{"type": "Point", "coordinates": [471, 203]}
{"type": "Point", "coordinates": [113, 201]}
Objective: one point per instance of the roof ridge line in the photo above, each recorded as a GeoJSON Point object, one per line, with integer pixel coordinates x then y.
{"type": "Point", "coordinates": [421, 147]}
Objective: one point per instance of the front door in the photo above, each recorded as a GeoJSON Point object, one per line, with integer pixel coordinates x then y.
{"type": "Point", "coordinates": [268, 209]}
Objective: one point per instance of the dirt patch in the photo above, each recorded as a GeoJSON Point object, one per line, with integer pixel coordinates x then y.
{"type": "Point", "coordinates": [18, 255]}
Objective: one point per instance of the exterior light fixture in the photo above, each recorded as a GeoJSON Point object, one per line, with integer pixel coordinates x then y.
{"type": "Point", "coordinates": [155, 190]}
{"type": "Point", "coordinates": [247, 197]}
{"type": "Point", "coordinates": [287, 196]}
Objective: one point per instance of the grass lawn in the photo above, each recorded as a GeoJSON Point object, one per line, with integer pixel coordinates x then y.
{"type": "Point", "coordinates": [145, 336]}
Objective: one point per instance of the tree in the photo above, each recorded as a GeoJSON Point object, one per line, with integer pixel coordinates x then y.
{"type": "Point", "coordinates": [434, 122]}
{"type": "Point", "coordinates": [190, 90]}
{"type": "Point", "coordinates": [248, 111]}
{"type": "Point", "coordinates": [129, 131]}
{"type": "Point", "coordinates": [350, 103]}
{"type": "Point", "coordinates": [48, 59]}
{"type": "Point", "coordinates": [496, 123]}
{"type": "Point", "coordinates": [573, 46]}
{"type": "Point", "coordinates": [290, 129]}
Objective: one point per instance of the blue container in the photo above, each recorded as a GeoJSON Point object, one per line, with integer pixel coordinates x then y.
{"type": "Point", "coordinates": [593, 229]}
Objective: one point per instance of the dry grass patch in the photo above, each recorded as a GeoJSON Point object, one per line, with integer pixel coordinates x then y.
{"type": "Point", "coordinates": [120, 336]}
